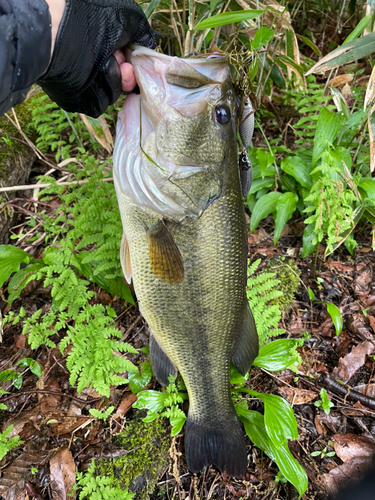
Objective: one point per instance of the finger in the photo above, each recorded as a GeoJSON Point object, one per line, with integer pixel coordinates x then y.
{"type": "Point", "coordinates": [127, 77]}
{"type": "Point", "coordinates": [120, 56]}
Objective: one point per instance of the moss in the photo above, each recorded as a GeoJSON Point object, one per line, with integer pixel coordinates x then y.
{"type": "Point", "coordinates": [288, 274]}
{"type": "Point", "coordinates": [7, 130]}
{"type": "Point", "coordinates": [139, 470]}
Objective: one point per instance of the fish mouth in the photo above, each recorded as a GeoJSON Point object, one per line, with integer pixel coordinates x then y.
{"type": "Point", "coordinates": [169, 86]}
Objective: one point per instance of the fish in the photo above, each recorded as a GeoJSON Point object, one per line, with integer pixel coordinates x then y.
{"type": "Point", "coordinates": [246, 130]}
{"type": "Point", "coordinates": [185, 241]}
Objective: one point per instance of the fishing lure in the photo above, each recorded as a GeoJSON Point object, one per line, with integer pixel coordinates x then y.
{"type": "Point", "coordinates": [246, 130]}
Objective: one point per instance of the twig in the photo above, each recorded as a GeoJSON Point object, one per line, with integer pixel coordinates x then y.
{"type": "Point", "coordinates": [346, 391]}
{"type": "Point", "coordinates": [55, 393]}
{"type": "Point", "coordinates": [131, 327]}
{"type": "Point", "coordinates": [32, 186]}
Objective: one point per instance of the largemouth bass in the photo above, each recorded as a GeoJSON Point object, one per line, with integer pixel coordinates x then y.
{"type": "Point", "coordinates": [185, 241]}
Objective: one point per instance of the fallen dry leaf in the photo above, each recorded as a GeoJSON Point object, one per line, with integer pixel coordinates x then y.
{"type": "Point", "coordinates": [344, 474]}
{"type": "Point", "coordinates": [63, 475]}
{"type": "Point", "coordinates": [368, 389]}
{"type": "Point", "coordinates": [125, 404]}
{"type": "Point", "coordinates": [14, 477]}
{"type": "Point", "coordinates": [341, 80]}
{"type": "Point", "coordinates": [257, 236]}
{"type": "Point", "coordinates": [23, 496]}
{"type": "Point", "coordinates": [335, 421]}
{"type": "Point", "coordinates": [371, 320]}
{"type": "Point", "coordinates": [352, 362]}
{"type": "Point", "coordinates": [349, 446]}
{"type": "Point", "coordinates": [297, 396]}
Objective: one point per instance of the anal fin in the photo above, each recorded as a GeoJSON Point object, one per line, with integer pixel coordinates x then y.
{"type": "Point", "coordinates": [165, 257]}
{"type": "Point", "coordinates": [162, 366]}
{"type": "Point", "coordinates": [125, 259]}
{"type": "Point", "coordinates": [248, 344]}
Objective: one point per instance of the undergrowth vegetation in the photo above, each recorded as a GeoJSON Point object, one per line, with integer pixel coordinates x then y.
{"type": "Point", "coordinates": [318, 168]}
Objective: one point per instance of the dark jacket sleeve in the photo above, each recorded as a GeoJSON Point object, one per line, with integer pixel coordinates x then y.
{"type": "Point", "coordinates": [25, 48]}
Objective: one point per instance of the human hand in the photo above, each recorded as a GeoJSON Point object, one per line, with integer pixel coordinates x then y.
{"type": "Point", "coordinates": [83, 75]}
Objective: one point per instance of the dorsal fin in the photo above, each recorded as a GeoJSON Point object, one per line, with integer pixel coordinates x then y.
{"type": "Point", "coordinates": [165, 257]}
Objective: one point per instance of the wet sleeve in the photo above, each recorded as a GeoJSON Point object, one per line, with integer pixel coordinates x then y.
{"type": "Point", "coordinates": [25, 47]}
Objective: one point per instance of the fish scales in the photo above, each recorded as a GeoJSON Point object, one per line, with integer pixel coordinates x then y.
{"type": "Point", "coordinates": [188, 261]}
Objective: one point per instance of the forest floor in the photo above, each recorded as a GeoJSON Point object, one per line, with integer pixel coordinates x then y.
{"type": "Point", "coordinates": [59, 434]}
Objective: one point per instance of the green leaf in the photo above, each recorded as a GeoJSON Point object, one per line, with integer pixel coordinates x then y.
{"type": "Point", "coordinates": [10, 260]}
{"type": "Point", "coordinates": [312, 45]}
{"type": "Point", "coordinates": [316, 453]}
{"type": "Point", "coordinates": [351, 51]}
{"type": "Point", "coordinates": [259, 184]}
{"type": "Point", "coordinates": [265, 159]}
{"type": "Point", "coordinates": [311, 294]}
{"type": "Point", "coordinates": [297, 168]}
{"type": "Point", "coordinates": [336, 316]}
{"type": "Point", "coordinates": [151, 7]}
{"type": "Point", "coordinates": [278, 355]}
{"type": "Point", "coordinates": [263, 207]}
{"type": "Point", "coordinates": [307, 239]}
{"type": "Point", "coordinates": [102, 415]}
{"type": "Point", "coordinates": [8, 375]}
{"type": "Point", "coordinates": [213, 4]}
{"type": "Point", "coordinates": [228, 18]}
{"type": "Point", "coordinates": [21, 278]}
{"type": "Point", "coordinates": [363, 23]}
{"type": "Point", "coordinates": [285, 208]}
{"type": "Point", "coordinates": [368, 185]}
{"type": "Point", "coordinates": [155, 401]}
{"type": "Point", "coordinates": [32, 364]}
{"type": "Point", "coordinates": [137, 381]}
{"type": "Point", "coordinates": [262, 36]}
{"type": "Point", "coordinates": [289, 467]}
{"type": "Point", "coordinates": [177, 424]}
{"type": "Point", "coordinates": [235, 376]}
{"type": "Point", "coordinates": [328, 126]}
{"type": "Point", "coordinates": [279, 418]}
{"type": "Point", "coordinates": [289, 62]}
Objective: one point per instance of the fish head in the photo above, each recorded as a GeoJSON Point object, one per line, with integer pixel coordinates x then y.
{"type": "Point", "coordinates": [182, 129]}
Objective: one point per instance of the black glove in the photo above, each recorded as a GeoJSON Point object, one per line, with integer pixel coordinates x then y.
{"type": "Point", "coordinates": [83, 75]}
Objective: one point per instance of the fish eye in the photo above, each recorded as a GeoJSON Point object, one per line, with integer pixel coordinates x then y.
{"type": "Point", "coordinates": [222, 114]}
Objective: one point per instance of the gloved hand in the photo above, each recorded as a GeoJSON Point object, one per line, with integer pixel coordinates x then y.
{"type": "Point", "coordinates": [83, 75]}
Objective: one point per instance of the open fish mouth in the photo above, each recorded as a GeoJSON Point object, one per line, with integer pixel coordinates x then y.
{"type": "Point", "coordinates": [148, 166]}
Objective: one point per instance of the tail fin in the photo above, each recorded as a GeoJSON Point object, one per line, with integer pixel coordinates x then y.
{"type": "Point", "coordinates": [222, 444]}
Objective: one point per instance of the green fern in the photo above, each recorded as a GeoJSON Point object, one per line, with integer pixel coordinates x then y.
{"type": "Point", "coordinates": [7, 443]}
{"type": "Point", "coordinates": [262, 290]}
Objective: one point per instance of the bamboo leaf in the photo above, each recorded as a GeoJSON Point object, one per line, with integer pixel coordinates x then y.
{"type": "Point", "coordinates": [228, 18]}
{"type": "Point", "coordinates": [363, 23]}
{"type": "Point", "coordinates": [361, 47]}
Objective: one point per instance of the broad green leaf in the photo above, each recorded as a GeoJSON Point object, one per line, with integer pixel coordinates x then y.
{"type": "Point", "coordinates": [351, 51]}
{"type": "Point", "coordinates": [228, 18]}
{"type": "Point", "coordinates": [137, 381]}
{"type": "Point", "coordinates": [368, 185]}
{"type": "Point", "coordinates": [328, 126]}
{"type": "Point", "coordinates": [311, 294]}
{"type": "Point", "coordinates": [10, 260]}
{"type": "Point", "coordinates": [262, 36]}
{"type": "Point", "coordinates": [297, 168]}
{"type": "Point", "coordinates": [256, 430]}
{"type": "Point", "coordinates": [259, 184]}
{"type": "Point", "coordinates": [8, 375]}
{"type": "Point", "coordinates": [32, 364]}
{"type": "Point", "coordinates": [336, 316]}
{"type": "Point", "coordinates": [279, 419]}
{"type": "Point", "coordinates": [177, 424]}
{"type": "Point", "coordinates": [115, 286]}
{"type": "Point", "coordinates": [307, 239]}
{"type": "Point", "coordinates": [363, 23]}
{"type": "Point", "coordinates": [278, 355]}
{"type": "Point", "coordinates": [152, 400]}
{"type": "Point", "coordinates": [265, 159]}
{"type": "Point", "coordinates": [285, 208]}
{"type": "Point", "coordinates": [21, 278]}
{"type": "Point", "coordinates": [263, 207]}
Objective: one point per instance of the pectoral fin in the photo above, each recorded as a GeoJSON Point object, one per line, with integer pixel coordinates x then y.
{"type": "Point", "coordinates": [162, 366]}
{"type": "Point", "coordinates": [125, 259]}
{"type": "Point", "coordinates": [248, 345]}
{"type": "Point", "coordinates": [165, 257]}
